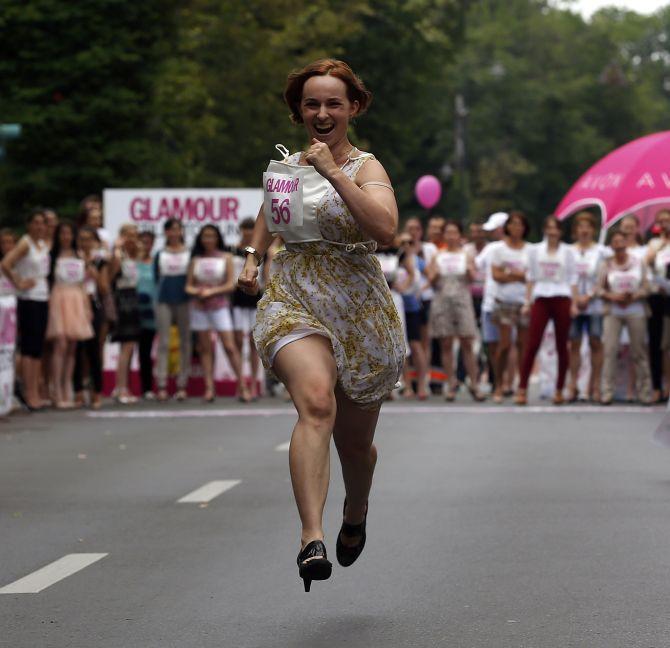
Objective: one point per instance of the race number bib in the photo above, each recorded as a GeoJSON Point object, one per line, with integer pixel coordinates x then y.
{"type": "Point", "coordinates": [282, 202]}
{"type": "Point", "coordinates": [70, 271]}
{"type": "Point", "coordinates": [129, 271]}
{"type": "Point", "coordinates": [549, 271]}
{"type": "Point", "coordinates": [452, 264]}
{"type": "Point", "coordinates": [624, 282]}
{"type": "Point", "coordinates": [173, 264]}
{"type": "Point", "coordinates": [210, 270]}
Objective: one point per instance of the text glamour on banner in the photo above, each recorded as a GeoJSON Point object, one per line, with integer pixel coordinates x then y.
{"type": "Point", "coordinates": [150, 208]}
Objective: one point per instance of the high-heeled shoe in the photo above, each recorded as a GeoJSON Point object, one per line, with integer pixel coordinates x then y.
{"type": "Point", "coordinates": [313, 563]}
{"type": "Point", "coordinates": [347, 555]}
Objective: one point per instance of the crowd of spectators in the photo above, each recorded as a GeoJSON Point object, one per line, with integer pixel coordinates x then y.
{"type": "Point", "coordinates": [77, 287]}
{"type": "Point", "coordinates": [477, 305]}
{"type": "Point", "coordinates": [475, 308]}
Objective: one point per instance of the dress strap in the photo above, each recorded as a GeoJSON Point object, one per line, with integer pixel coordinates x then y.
{"type": "Point", "coordinates": [377, 183]}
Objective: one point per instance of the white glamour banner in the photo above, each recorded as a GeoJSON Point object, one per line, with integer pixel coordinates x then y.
{"type": "Point", "coordinates": [150, 208]}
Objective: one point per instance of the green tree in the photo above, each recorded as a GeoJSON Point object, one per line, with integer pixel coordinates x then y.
{"type": "Point", "coordinates": [79, 77]}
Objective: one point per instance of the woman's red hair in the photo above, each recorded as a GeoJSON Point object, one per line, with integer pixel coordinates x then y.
{"type": "Point", "coordinates": [356, 90]}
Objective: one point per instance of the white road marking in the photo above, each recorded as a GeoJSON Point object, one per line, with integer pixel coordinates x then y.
{"type": "Point", "coordinates": [390, 409]}
{"type": "Point", "coordinates": [209, 491]}
{"type": "Point", "coordinates": [283, 447]}
{"type": "Point", "coordinates": [52, 573]}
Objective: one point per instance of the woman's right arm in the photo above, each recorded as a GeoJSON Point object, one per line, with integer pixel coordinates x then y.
{"type": "Point", "coordinates": [260, 241]}
{"type": "Point", "coordinates": [191, 288]}
{"type": "Point", "coordinates": [10, 260]}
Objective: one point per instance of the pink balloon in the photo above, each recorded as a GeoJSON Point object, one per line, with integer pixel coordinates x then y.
{"type": "Point", "coordinates": [428, 191]}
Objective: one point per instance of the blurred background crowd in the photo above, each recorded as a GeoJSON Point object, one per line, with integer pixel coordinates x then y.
{"type": "Point", "coordinates": [475, 304]}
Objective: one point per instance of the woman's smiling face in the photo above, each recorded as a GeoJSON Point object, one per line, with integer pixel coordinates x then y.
{"type": "Point", "coordinates": [326, 109]}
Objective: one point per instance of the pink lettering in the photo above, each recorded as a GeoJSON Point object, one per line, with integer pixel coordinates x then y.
{"type": "Point", "coordinates": [140, 209]}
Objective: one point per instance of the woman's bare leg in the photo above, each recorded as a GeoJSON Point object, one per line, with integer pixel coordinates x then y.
{"type": "Point", "coordinates": [123, 368]}
{"type": "Point", "coordinates": [235, 358]}
{"type": "Point", "coordinates": [502, 355]}
{"type": "Point", "coordinates": [597, 355]}
{"type": "Point", "coordinates": [353, 434]}
{"type": "Point", "coordinates": [447, 356]}
{"type": "Point", "coordinates": [307, 369]}
{"type": "Point", "coordinates": [206, 361]}
{"type": "Point", "coordinates": [68, 370]}
{"type": "Point", "coordinates": [470, 361]}
{"type": "Point", "coordinates": [57, 369]}
{"type": "Point", "coordinates": [421, 365]}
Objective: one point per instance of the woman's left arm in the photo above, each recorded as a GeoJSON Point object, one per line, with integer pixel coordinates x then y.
{"type": "Point", "coordinates": [373, 206]}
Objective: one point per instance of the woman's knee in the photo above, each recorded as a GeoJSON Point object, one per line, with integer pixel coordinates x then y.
{"type": "Point", "coordinates": [316, 402]}
{"type": "Point", "coordinates": [351, 447]}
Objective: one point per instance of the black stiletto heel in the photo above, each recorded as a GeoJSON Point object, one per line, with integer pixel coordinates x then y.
{"type": "Point", "coordinates": [313, 563]}
{"type": "Point", "coordinates": [347, 555]}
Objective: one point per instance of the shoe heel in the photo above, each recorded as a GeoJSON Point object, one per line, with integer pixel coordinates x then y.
{"type": "Point", "coordinates": [307, 582]}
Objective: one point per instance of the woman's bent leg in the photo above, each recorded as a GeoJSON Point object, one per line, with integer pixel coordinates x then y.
{"type": "Point", "coordinates": [353, 434]}
{"type": "Point", "coordinates": [307, 369]}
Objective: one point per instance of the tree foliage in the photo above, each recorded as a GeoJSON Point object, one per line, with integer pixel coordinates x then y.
{"type": "Point", "coordinates": [189, 93]}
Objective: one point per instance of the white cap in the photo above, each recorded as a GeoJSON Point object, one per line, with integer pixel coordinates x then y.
{"type": "Point", "coordinates": [495, 221]}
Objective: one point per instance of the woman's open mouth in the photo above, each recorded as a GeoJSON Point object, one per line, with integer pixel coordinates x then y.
{"type": "Point", "coordinates": [324, 130]}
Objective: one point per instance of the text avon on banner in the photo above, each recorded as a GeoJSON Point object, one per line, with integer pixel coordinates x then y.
{"type": "Point", "coordinates": [150, 208]}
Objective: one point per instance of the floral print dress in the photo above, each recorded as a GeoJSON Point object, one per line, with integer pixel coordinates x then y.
{"type": "Point", "coordinates": [337, 292]}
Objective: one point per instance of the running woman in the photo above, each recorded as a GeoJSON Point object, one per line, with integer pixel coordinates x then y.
{"type": "Point", "coordinates": [327, 325]}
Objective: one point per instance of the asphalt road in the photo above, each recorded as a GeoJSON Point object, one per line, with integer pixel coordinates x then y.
{"type": "Point", "coordinates": [488, 527]}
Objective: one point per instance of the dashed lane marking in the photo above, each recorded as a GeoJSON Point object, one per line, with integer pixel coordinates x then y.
{"type": "Point", "coordinates": [209, 491]}
{"type": "Point", "coordinates": [52, 573]}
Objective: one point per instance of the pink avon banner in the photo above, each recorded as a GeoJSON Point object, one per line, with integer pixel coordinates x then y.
{"type": "Point", "coordinates": [634, 178]}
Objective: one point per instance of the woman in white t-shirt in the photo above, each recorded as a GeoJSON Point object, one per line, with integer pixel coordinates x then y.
{"type": "Point", "coordinates": [452, 314]}
{"type": "Point", "coordinates": [624, 286]}
{"type": "Point", "coordinates": [27, 267]}
{"type": "Point", "coordinates": [658, 262]}
{"type": "Point", "coordinates": [551, 290]}
{"type": "Point", "coordinates": [509, 265]}
{"type": "Point", "coordinates": [588, 321]}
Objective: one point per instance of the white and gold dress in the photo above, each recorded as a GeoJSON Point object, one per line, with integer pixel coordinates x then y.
{"type": "Point", "coordinates": [337, 291]}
